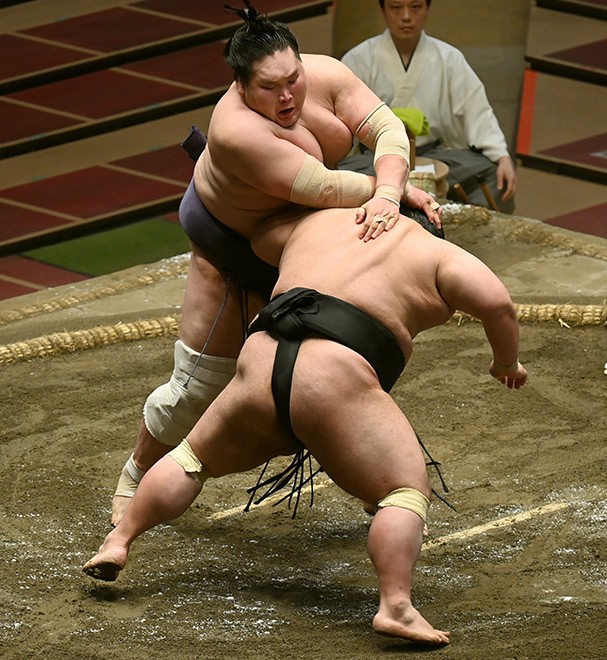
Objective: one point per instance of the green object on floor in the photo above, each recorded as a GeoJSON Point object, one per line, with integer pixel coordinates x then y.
{"type": "Point", "coordinates": [116, 249]}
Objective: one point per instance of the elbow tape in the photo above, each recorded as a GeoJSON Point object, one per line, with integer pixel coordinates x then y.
{"type": "Point", "coordinates": [387, 135]}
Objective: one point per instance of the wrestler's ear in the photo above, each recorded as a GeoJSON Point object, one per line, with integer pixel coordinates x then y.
{"type": "Point", "coordinates": [241, 88]}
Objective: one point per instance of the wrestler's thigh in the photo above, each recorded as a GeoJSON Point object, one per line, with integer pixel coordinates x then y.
{"type": "Point", "coordinates": [240, 430]}
{"type": "Point", "coordinates": [353, 428]}
{"type": "Point", "coordinates": [211, 315]}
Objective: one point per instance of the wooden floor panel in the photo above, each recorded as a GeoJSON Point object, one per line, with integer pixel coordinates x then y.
{"type": "Point", "coordinates": [19, 276]}
{"type": "Point", "coordinates": [92, 192]}
{"type": "Point", "coordinates": [591, 220]}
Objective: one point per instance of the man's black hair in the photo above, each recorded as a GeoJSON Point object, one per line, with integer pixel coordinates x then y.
{"type": "Point", "coordinates": [382, 2]}
{"type": "Point", "coordinates": [257, 38]}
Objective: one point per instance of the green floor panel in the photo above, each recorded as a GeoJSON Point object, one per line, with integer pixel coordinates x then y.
{"type": "Point", "coordinates": [116, 249]}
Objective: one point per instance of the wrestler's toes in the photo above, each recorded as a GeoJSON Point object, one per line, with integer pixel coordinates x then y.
{"type": "Point", "coordinates": [435, 638]}
{"type": "Point", "coordinates": [106, 570]}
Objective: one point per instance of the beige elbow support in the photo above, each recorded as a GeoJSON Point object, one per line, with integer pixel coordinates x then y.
{"type": "Point", "coordinates": [321, 188]}
{"type": "Point", "coordinates": [183, 455]}
{"type": "Point", "coordinates": [407, 498]}
{"type": "Point", "coordinates": [387, 135]}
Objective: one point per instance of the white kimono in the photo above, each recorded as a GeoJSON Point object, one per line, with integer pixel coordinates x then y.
{"type": "Point", "coordinates": [440, 82]}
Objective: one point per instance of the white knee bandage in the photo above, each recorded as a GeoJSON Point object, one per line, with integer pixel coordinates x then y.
{"type": "Point", "coordinates": [387, 135]}
{"type": "Point", "coordinates": [321, 188]}
{"type": "Point", "coordinates": [184, 456]}
{"type": "Point", "coordinates": [407, 498]}
{"type": "Point", "coordinates": [172, 410]}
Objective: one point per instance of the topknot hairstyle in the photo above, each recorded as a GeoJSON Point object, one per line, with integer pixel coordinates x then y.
{"type": "Point", "coordinates": [257, 38]}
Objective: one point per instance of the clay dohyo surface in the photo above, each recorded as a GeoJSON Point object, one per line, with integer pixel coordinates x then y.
{"type": "Point", "coordinates": [518, 571]}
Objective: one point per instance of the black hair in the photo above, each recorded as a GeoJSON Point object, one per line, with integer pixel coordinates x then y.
{"type": "Point", "coordinates": [257, 38]}
{"type": "Point", "coordinates": [382, 2]}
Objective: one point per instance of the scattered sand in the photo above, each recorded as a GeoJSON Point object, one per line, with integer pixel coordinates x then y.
{"type": "Point", "coordinates": [517, 572]}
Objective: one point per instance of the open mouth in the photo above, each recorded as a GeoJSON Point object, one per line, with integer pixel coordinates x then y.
{"type": "Point", "coordinates": [286, 113]}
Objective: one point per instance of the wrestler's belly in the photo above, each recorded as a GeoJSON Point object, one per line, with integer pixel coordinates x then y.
{"type": "Point", "coordinates": [242, 210]}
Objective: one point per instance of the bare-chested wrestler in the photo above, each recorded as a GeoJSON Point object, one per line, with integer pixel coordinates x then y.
{"type": "Point", "coordinates": [375, 298]}
{"type": "Point", "coordinates": [273, 140]}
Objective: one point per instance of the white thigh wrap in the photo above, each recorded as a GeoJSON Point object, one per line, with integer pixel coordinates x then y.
{"type": "Point", "coordinates": [321, 188]}
{"type": "Point", "coordinates": [407, 498]}
{"type": "Point", "coordinates": [387, 134]}
{"type": "Point", "coordinates": [172, 410]}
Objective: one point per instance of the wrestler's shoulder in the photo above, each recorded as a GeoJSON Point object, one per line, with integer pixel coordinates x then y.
{"type": "Point", "coordinates": [321, 64]}
{"type": "Point", "coordinates": [238, 128]}
{"type": "Point", "coordinates": [328, 77]}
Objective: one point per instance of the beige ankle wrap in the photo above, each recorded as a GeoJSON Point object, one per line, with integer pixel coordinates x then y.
{"type": "Point", "coordinates": [129, 479]}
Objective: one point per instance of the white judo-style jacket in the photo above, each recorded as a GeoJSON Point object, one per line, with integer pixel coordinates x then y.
{"type": "Point", "coordinates": [440, 82]}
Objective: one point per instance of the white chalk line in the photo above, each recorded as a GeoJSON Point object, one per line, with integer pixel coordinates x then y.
{"type": "Point", "coordinates": [495, 524]}
{"type": "Point", "coordinates": [274, 498]}
{"type": "Point", "coordinates": [498, 523]}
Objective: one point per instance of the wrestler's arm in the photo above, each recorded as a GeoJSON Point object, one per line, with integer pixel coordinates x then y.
{"type": "Point", "coordinates": [259, 158]}
{"type": "Point", "coordinates": [358, 107]}
{"type": "Point", "coordinates": [467, 284]}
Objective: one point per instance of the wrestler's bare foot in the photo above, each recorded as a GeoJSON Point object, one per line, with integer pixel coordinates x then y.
{"type": "Point", "coordinates": [119, 505]}
{"type": "Point", "coordinates": [108, 562]}
{"type": "Point", "coordinates": [406, 622]}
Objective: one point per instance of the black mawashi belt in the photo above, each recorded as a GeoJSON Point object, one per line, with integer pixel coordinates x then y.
{"type": "Point", "coordinates": [297, 314]}
{"type": "Point", "coordinates": [301, 312]}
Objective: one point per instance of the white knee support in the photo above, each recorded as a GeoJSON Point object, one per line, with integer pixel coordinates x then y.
{"type": "Point", "coordinates": [172, 410]}
{"type": "Point", "coordinates": [407, 498]}
{"type": "Point", "coordinates": [184, 456]}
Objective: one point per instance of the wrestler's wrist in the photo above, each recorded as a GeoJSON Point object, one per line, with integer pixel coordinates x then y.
{"type": "Point", "coordinates": [391, 193]}
{"type": "Point", "coordinates": [407, 191]}
{"type": "Point", "coordinates": [506, 367]}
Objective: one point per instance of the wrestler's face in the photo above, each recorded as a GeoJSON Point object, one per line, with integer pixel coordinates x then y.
{"type": "Point", "coordinates": [276, 88]}
{"type": "Point", "coordinates": [406, 18]}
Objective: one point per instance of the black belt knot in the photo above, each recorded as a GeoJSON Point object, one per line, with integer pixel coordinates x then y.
{"type": "Point", "coordinates": [288, 323]}
{"type": "Point", "coordinates": [283, 316]}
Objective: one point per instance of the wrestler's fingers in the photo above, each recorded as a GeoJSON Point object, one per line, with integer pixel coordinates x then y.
{"type": "Point", "coordinates": [361, 214]}
{"type": "Point", "coordinates": [378, 226]}
{"type": "Point", "coordinates": [370, 226]}
{"type": "Point", "coordinates": [393, 219]}
{"type": "Point", "coordinates": [435, 212]}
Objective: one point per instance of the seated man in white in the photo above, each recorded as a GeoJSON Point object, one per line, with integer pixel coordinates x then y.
{"type": "Point", "coordinates": [405, 67]}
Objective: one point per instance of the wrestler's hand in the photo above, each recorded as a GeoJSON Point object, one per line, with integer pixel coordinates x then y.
{"type": "Point", "coordinates": [419, 199]}
{"type": "Point", "coordinates": [513, 376]}
{"type": "Point", "coordinates": [376, 216]}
